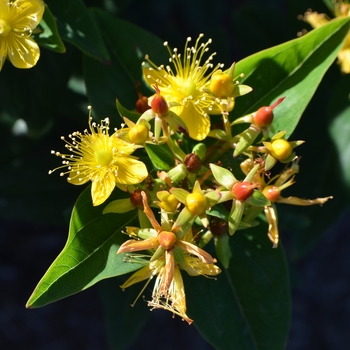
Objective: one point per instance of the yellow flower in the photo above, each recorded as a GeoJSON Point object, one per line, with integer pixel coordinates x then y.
{"type": "Point", "coordinates": [18, 19]}
{"type": "Point", "coordinates": [105, 160]}
{"type": "Point", "coordinates": [185, 86]}
{"type": "Point", "coordinates": [319, 19]}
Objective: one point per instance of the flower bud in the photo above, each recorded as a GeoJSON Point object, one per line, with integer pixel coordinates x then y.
{"type": "Point", "coordinates": [264, 115]}
{"type": "Point", "coordinates": [243, 190]}
{"type": "Point", "coordinates": [221, 85]}
{"type": "Point", "coordinates": [169, 203]}
{"type": "Point", "coordinates": [196, 203]}
{"type": "Point", "coordinates": [159, 104]}
{"type": "Point", "coordinates": [218, 227]}
{"type": "Point", "coordinates": [281, 149]}
{"type": "Point", "coordinates": [192, 162]}
{"type": "Point", "coordinates": [142, 104]}
{"type": "Point", "coordinates": [136, 199]}
{"type": "Point", "coordinates": [166, 239]}
{"type": "Point", "coordinates": [272, 193]}
{"type": "Point", "coordinates": [138, 134]}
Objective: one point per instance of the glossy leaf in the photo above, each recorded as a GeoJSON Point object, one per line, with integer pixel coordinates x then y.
{"type": "Point", "coordinates": [76, 26]}
{"type": "Point", "coordinates": [248, 306]}
{"type": "Point", "coordinates": [160, 155]}
{"type": "Point", "coordinates": [89, 254]}
{"type": "Point", "coordinates": [293, 69]}
{"type": "Point", "coordinates": [124, 112]}
{"type": "Point", "coordinates": [49, 37]}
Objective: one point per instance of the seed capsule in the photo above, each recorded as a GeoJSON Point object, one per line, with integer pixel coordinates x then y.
{"type": "Point", "coordinates": [243, 190]}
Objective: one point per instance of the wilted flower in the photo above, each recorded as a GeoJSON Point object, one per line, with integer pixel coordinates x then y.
{"type": "Point", "coordinates": [102, 159]}
{"type": "Point", "coordinates": [170, 250]}
{"type": "Point", "coordinates": [18, 19]}
{"type": "Point", "coordinates": [184, 86]}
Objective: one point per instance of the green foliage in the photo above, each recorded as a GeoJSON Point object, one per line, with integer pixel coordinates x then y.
{"type": "Point", "coordinates": [247, 306]}
{"type": "Point", "coordinates": [88, 256]}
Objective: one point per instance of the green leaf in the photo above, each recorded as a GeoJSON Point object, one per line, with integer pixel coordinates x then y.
{"type": "Point", "coordinates": [89, 254]}
{"type": "Point", "coordinates": [223, 250]}
{"type": "Point", "coordinates": [49, 37]}
{"type": "Point", "coordinates": [133, 116]}
{"type": "Point", "coordinates": [293, 69]}
{"type": "Point", "coordinates": [76, 26]}
{"type": "Point", "coordinates": [128, 45]}
{"type": "Point", "coordinates": [161, 156]}
{"type": "Point", "coordinates": [248, 305]}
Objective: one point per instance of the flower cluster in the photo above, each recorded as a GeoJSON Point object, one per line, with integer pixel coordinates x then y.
{"type": "Point", "coordinates": [196, 198]}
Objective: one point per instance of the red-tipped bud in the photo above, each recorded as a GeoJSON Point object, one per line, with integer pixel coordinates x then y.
{"type": "Point", "coordinates": [192, 162]}
{"type": "Point", "coordinates": [218, 227]}
{"type": "Point", "coordinates": [272, 193]}
{"type": "Point", "coordinates": [243, 190]}
{"type": "Point", "coordinates": [166, 239]}
{"type": "Point", "coordinates": [158, 104]}
{"type": "Point", "coordinates": [136, 199]}
{"type": "Point", "coordinates": [264, 115]}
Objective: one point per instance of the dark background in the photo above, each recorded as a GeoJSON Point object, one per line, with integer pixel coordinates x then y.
{"type": "Point", "coordinates": [35, 207]}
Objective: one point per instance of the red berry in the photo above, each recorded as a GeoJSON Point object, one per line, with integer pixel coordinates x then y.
{"type": "Point", "coordinates": [264, 116]}
{"type": "Point", "coordinates": [142, 104]}
{"type": "Point", "coordinates": [272, 193]}
{"type": "Point", "coordinates": [192, 162]}
{"type": "Point", "coordinates": [243, 190]}
{"type": "Point", "coordinates": [158, 104]}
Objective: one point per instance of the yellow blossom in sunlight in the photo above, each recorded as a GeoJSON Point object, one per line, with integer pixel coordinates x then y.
{"type": "Point", "coordinates": [184, 85]}
{"type": "Point", "coordinates": [18, 19]}
{"type": "Point", "coordinates": [103, 159]}
{"type": "Point", "coordinates": [319, 19]}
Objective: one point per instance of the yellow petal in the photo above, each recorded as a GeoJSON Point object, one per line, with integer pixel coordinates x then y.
{"type": "Point", "coordinates": [28, 13]}
{"type": "Point", "coordinates": [22, 52]}
{"type": "Point", "coordinates": [344, 60]}
{"type": "Point", "coordinates": [102, 189]}
{"type": "Point", "coordinates": [194, 250]}
{"type": "Point", "coordinates": [198, 125]}
{"type": "Point", "coordinates": [130, 171]}
{"type": "Point", "coordinates": [138, 276]}
{"type": "Point", "coordinates": [273, 227]}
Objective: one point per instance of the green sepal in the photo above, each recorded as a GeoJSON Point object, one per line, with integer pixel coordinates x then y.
{"type": "Point", "coordinates": [223, 176]}
{"type": "Point", "coordinates": [179, 256]}
{"type": "Point", "coordinates": [251, 214]}
{"type": "Point", "coordinates": [251, 174]}
{"type": "Point", "coordinates": [119, 206]}
{"type": "Point", "coordinates": [184, 217]}
{"type": "Point", "coordinates": [219, 134]}
{"type": "Point", "coordinates": [175, 122]}
{"type": "Point", "coordinates": [223, 250]}
{"type": "Point", "coordinates": [133, 116]}
{"type": "Point", "coordinates": [180, 194]}
{"type": "Point", "coordinates": [235, 216]}
{"type": "Point", "coordinates": [200, 149]}
{"type": "Point", "coordinates": [158, 253]}
{"type": "Point", "coordinates": [226, 196]}
{"type": "Point", "coordinates": [49, 36]}
{"type": "Point", "coordinates": [270, 162]}
{"type": "Point", "coordinates": [240, 90]}
{"type": "Point", "coordinates": [178, 173]}
{"type": "Point", "coordinates": [212, 197]}
{"type": "Point", "coordinates": [257, 199]}
{"type": "Point", "coordinates": [247, 138]}
{"type": "Point", "coordinates": [146, 233]}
